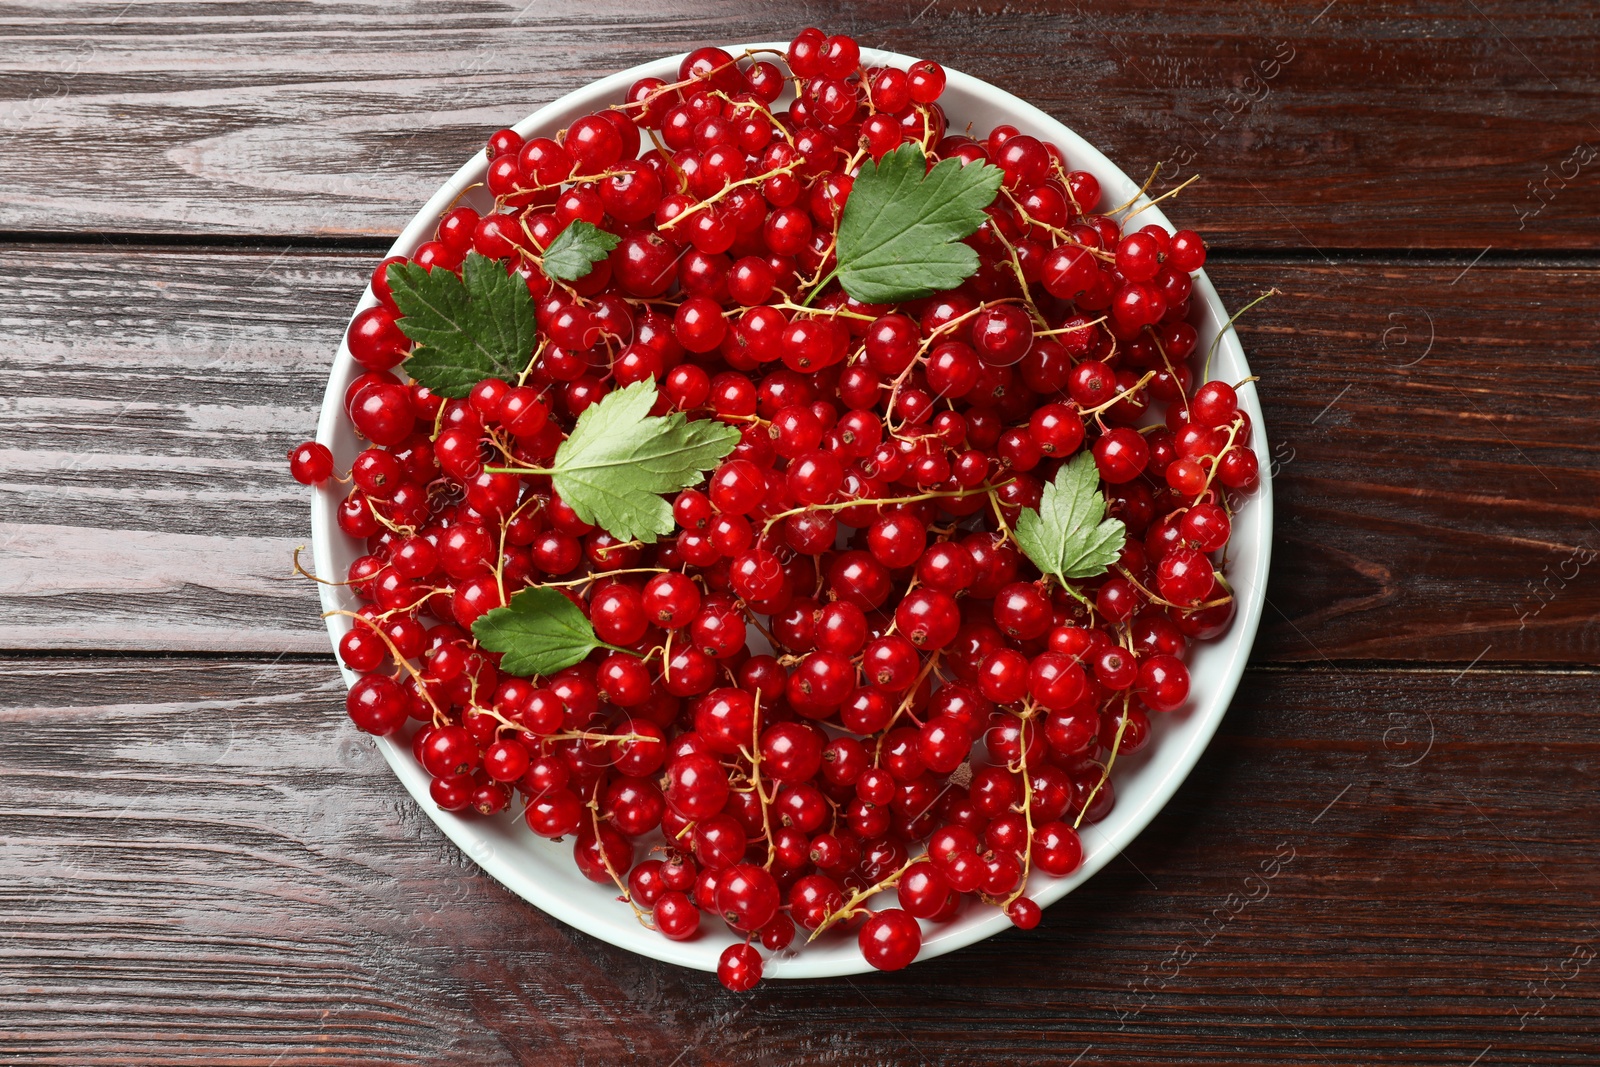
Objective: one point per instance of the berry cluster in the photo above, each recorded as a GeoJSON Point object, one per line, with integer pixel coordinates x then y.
{"type": "Point", "coordinates": [842, 675]}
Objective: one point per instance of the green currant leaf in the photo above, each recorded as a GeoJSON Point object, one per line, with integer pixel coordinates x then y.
{"type": "Point", "coordinates": [619, 459]}
{"type": "Point", "coordinates": [539, 632]}
{"type": "Point", "coordinates": [901, 232]}
{"type": "Point", "coordinates": [466, 329]}
{"type": "Point", "coordinates": [1069, 536]}
{"type": "Point", "coordinates": [576, 250]}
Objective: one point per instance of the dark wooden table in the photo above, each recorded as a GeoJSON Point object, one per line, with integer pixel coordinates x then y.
{"type": "Point", "coordinates": [201, 862]}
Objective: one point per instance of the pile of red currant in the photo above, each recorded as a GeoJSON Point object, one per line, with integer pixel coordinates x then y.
{"type": "Point", "coordinates": [847, 700]}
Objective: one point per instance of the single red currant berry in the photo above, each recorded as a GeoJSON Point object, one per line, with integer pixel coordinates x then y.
{"type": "Point", "coordinates": [1206, 527]}
{"type": "Point", "coordinates": [1187, 251]}
{"type": "Point", "coordinates": [1002, 334]}
{"type": "Point", "coordinates": [1022, 610]}
{"type": "Point", "coordinates": [555, 813]}
{"type": "Point", "coordinates": [617, 613]}
{"type": "Point", "coordinates": [362, 649]}
{"type": "Point", "coordinates": [1055, 681]}
{"type": "Point", "coordinates": [1163, 682]}
{"type": "Point", "coordinates": [377, 704]}
{"type": "Point", "coordinates": [739, 968]}
{"type": "Point", "coordinates": [1057, 429]}
{"type": "Point", "coordinates": [506, 760]}
{"type": "Point", "coordinates": [737, 487]}
{"type": "Point", "coordinates": [791, 751]}
{"type": "Point", "coordinates": [376, 340]}
{"type": "Point", "coordinates": [1121, 454]}
{"type": "Point", "coordinates": [897, 540]}
{"type": "Point", "coordinates": [778, 934]}
{"type": "Point", "coordinates": [602, 855]}
{"type": "Point", "coordinates": [1056, 849]}
{"type": "Point", "coordinates": [923, 891]}
{"type": "Point", "coordinates": [676, 916]}
{"type": "Point", "coordinates": [311, 463]}
{"type": "Point", "coordinates": [747, 897]}
{"type": "Point", "coordinates": [670, 601]}
{"type": "Point", "coordinates": [943, 744]}
{"type": "Point", "coordinates": [814, 898]}
{"type": "Point", "coordinates": [1214, 404]}
{"type": "Point", "coordinates": [946, 566]}
{"type": "Point", "coordinates": [928, 618]}
{"type": "Point", "coordinates": [890, 940]}
{"type": "Point", "coordinates": [927, 81]}
{"type": "Point", "coordinates": [1024, 913]}
{"type": "Point", "coordinates": [697, 787]}
{"type": "Point", "coordinates": [1184, 576]}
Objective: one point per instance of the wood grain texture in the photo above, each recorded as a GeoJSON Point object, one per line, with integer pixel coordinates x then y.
{"type": "Point", "coordinates": [207, 865]}
{"type": "Point", "coordinates": [1358, 124]}
{"type": "Point", "coordinates": [1435, 444]}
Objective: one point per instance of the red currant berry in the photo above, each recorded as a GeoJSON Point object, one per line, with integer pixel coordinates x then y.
{"type": "Point", "coordinates": [890, 940]}
{"type": "Point", "coordinates": [739, 968]}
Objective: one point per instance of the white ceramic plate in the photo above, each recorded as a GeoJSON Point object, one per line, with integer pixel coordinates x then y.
{"type": "Point", "coordinates": [543, 873]}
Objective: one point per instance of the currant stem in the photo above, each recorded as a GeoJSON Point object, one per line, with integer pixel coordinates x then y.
{"type": "Point", "coordinates": [1142, 189]}
{"type": "Point", "coordinates": [416, 675]}
{"type": "Point", "coordinates": [869, 502]}
{"type": "Point", "coordinates": [905, 705]}
{"type": "Point", "coordinates": [819, 286]}
{"type": "Point", "coordinates": [851, 908]}
{"type": "Point", "coordinates": [1005, 527]}
{"type": "Point", "coordinates": [1205, 371]}
{"type": "Point", "coordinates": [605, 860]}
{"type": "Point", "coordinates": [1174, 191]}
{"type": "Point", "coordinates": [1027, 811]}
{"type": "Point", "coordinates": [1105, 772]}
{"type": "Point", "coordinates": [701, 205]}
{"type": "Point", "coordinates": [302, 572]}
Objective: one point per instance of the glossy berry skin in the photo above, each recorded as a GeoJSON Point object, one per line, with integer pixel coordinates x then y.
{"type": "Point", "coordinates": [697, 787]}
{"type": "Point", "coordinates": [1024, 913]}
{"type": "Point", "coordinates": [600, 855]}
{"type": "Point", "coordinates": [739, 968]}
{"type": "Point", "coordinates": [375, 339]}
{"type": "Point", "coordinates": [747, 897]}
{"type": "Point", "coordinates": [791, 752]}
{"type": "Point", "coordinates": [890, 939]}
{"type": "Point", "coordinates": [1056, 849]}
{"type": "Point", "coordinates": [1184, 576]}
{"type": "Point", "coordinates": [923, 891]}
{"type": "Point", "coordinates": [670, 601]}
{"type": "Point", "coordinates": [1002, 334]}
{"type": "Point", "coordinates": [311, 463]}
{"type": "Point", "coordinates": [928, 618]}
{"type": "Point", "coordinates": [1023, 611]}
{"type": "Point", "coordinates": [812, 899]}
{"type": "Point", "coordinates": [1163, 682]}
{"type": "Point", "coordinates": [1121, 454]}
{"type": "Point", "coordinates": [676, 916]}
{"type": "Point", "coordinates": [376, 705]}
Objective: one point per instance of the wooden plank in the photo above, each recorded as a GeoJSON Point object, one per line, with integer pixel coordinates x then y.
{"type": "Point", "coordinates": [1444, 125]}
{"type": "Point", "coordinates": [207, 865]}
{"type": "Point", "coordinates": [1435, 498]}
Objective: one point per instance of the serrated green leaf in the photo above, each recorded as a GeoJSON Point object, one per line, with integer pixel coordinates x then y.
{"type": "Point", "coordinates": [901, 232]}
{"type": "Point", "coordinates": [1069, 536]}
{"type": "Point", "coordinates": [577, 249]}
{"type": "Point", "coordinates": [539, 632]}
{"type": "Point", "coordinates": [619, 459]}
{"type": "Point", "coordinates": [480, 325]}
